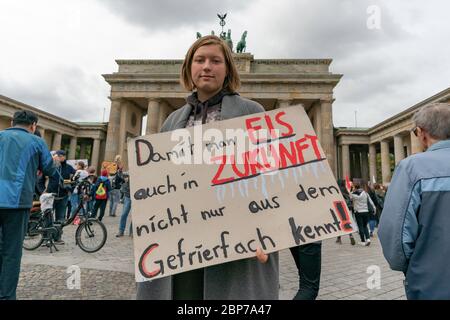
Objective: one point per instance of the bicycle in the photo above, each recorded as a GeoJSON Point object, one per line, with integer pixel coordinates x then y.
{"type": "Point", "coordinates": [90, 236]}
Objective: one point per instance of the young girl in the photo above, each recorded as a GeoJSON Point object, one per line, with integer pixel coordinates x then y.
{"type": "Point", "coordinates": [80, 174]}
{"type": "Point", "coordinates": [209, 71]}
{"type": "Point", "coordinates": [361, 202]}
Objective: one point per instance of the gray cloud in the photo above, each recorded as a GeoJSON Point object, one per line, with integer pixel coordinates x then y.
{"type": "Point", "coordinates": [385, 71]}
{"type": "Point", "coordinates": [157, 15]}
{"type": "Point", "coordinates": [336, 29]}
{"type": "Point", "coordinates": [69, 93]}
{"type": "Point", "coordinates": [372, 60]}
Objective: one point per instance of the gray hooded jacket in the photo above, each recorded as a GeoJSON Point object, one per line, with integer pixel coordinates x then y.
{"type": "Point", "coordinates": [414, 226]}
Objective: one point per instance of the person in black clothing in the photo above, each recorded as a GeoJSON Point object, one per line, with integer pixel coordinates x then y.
{"type": "Point", "coordinates": [374, 218]}
{"type": "Point", "coordinates": [39, 187]}
{"type": "Point", "coordinates": [56, 185]}
{"type": "Point", "coordinates": [308, 259]}
{"type": "Point", "coordinates": [92, 178]}
{"type": "Point", "coordinates": [114, 196]}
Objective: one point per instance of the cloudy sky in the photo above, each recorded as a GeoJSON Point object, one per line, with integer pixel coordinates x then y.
{"type": "Point", "coordinates": [392, 54]}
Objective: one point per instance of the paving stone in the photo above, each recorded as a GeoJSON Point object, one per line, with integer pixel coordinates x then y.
{"type": "Point", "coordinates": [109, 273]}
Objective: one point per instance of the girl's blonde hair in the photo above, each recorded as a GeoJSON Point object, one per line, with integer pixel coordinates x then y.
{"type": "Point", "coordinates": [232, 80]}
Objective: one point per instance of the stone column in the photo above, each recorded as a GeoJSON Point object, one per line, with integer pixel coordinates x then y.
{"type": "Point", "coordinates": [42, 131]}
{"type": "Point", "coordinates": [165, 110]}
{"type": "Point", "coordinates": [82, 150]}
{"type": "Point", "coordinates": [57, 141]}
{"type": "Point", "coordinates": [358, 164]}
{"type": "Point", "coordinates": [385, 162]}
{"type": "Point", "coordinates": [317, 123]}
{"type": "Point", "coordinates": [336, 165]}
{"type": "Point", "coordinates": [283, 103]}
{"type": "Point", "coordinates": [398, 148]}
{"type": "Point", "coordinates": [345, 160]}
{"type": "Point", "coordinates": [112, 138]}
{"type": "Point", "coordinates": [372, 162]}
{"type": "Point", "coordinates": [408, 146]}
{"type": "Point", "coordinates": [365, 166]}
{"type": "Point", "coordinates": [5, 122]}
{"type": "Point", "coordinates": [122, 130]}
{"type": "Point", "coordinates": [327, 135]}
{"type": "Point", "coordinates": [102, 152]}
{"type": "Point", "coordinates": [73, 148]}
{"type": "Point", "coordinates": [416, 146]}
{"type": "Point", "coordinates": [95, 153]}
{"type": "Point", "coordinates": [153, 116]}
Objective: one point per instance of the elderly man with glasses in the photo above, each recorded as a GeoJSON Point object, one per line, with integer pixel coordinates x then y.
{"type": "Point", "coordinates": [415, 223]}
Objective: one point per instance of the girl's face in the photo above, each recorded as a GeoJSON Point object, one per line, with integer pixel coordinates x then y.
{"type": "Point", "coordinates": [208, 70]}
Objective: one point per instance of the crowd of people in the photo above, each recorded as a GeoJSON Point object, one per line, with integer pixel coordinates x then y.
{"type": "Point", "coordinates": [365, 202]}
{"type": "Point", "coordinates": [412, 217]}
{"type": "Point", "coordinates": [109, 187]}
{"type": "Point", "coordinates": [30, 169]}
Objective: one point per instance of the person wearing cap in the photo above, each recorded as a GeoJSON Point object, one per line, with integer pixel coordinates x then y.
{"type": "Point", "coordinates": [22, 154]}
{"type": "Point", "coordinates": [64, 171]}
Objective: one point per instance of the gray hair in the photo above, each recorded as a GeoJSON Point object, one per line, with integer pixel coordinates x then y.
{"type": "Point", "coordinates": [435, 119]}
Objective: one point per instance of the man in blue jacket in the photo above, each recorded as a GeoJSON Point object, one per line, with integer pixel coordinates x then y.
{"type": "Point", "coordinates": [415, 223]}
{"type": "Point", "coordinates": [21, 155]}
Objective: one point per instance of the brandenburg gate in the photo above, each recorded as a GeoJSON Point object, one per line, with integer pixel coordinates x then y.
{"type": "Point", "coordinates": [151, 88]}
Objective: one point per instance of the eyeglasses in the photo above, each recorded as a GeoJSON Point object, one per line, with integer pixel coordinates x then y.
{"type": "Point", "coordinates": [414, 130]}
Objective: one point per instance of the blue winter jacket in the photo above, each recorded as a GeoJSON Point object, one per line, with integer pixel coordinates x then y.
{"type": "Point", "coordinates": [21, 155]}
{"type": "Point", "coordinates": [414, 229]}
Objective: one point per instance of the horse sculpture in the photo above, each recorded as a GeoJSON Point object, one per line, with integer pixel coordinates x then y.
{"type": "Point", "coordinates": [240, 48]}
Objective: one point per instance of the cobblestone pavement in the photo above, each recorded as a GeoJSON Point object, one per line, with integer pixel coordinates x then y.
{"type": "Point", "coordinates": [347, 273]}
{"type": "Point", "coordinates": [108, 274]}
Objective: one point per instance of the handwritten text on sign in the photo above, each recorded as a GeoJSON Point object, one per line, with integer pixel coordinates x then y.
{"type": "Point", "coordinates": [215, 193]}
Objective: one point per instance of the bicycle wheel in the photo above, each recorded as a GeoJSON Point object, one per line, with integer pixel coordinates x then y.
{"type": "Point", "coordinates": [33, 239]}
{"type": "Point", "coordinates": [91, 235]}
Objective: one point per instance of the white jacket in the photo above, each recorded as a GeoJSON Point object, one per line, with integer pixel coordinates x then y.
{"type": "Point", "coordinates": [360, 202]}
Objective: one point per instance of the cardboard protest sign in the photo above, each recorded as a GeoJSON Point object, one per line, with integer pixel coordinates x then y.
{"type": "Point", "coordinates": [215, 193]}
